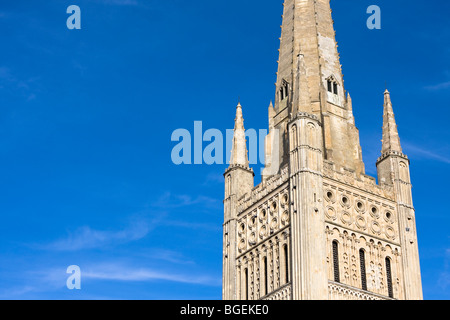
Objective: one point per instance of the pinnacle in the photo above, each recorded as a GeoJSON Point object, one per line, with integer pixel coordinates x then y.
{"type": "Point", "coordinates": [391, 139]}
{"type": "Point", "coordinates": [239, 148]}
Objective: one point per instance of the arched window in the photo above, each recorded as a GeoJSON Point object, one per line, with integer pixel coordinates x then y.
{"type": "Point", "coordinates": [284, 90]}
{"type": "Point", "coordinates": [336, 261]}
{"type": "Point", "coordinates": [389, 278]}
{"type": "Point", "coordinates": [362, 261]}
{"type": "Point", "coordinates": [332, 85]}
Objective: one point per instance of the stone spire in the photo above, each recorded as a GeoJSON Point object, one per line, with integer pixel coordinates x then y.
{"type": "Point", "coordinates": [239, 149]}
{"type": "Point", "coordinates": [310, 80]}
{"type": "Point", "coordinates": [391, 139]}
{"type": "Point", "coordinates": [307, 30]}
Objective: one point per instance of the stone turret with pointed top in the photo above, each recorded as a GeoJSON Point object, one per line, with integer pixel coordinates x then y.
{"type": "Point", "coordinates": [393, 170]}
{"type": "Point", "coordinates": [239, 154]}
{"type": "Point", "coordinates": [238, 181]}
{"type": "Point", "coordinates": [317, 227]}
{"type": "Point", "coordinates": [391, 139]}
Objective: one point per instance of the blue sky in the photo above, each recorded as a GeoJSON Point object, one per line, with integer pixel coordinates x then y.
{"type": "Point", "coordinates": [86, 118]}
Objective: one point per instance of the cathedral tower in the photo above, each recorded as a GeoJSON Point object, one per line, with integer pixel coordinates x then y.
{"type": "Point", "coordinates": [317, 227]}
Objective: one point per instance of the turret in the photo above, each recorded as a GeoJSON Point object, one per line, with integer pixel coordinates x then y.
{"type": "Point", "coordinates": [393, 170]}
{"type": "Point", "coordinates": [238, 182]}
{"type": "Point", "coordinates": [391, 139]}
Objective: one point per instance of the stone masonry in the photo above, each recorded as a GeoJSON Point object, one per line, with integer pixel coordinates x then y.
{"type": "Point", "coordinates": [317, 227]}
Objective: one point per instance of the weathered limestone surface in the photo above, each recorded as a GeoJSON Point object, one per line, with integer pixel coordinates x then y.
{"type": "Point", "coordinates": [318, 227]}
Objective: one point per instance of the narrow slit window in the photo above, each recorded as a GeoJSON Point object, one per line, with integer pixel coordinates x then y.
{"type": "Point", "coordinates": [335, 88]}
{"type": "Point", "coordinates": [362, 260]}
{"type": "Point", "coordinates": [389, 278]}
{"type": "Point", "coordinates": [266, 274]}
{"type": "Point", "coordinates": [336, 261]}
{"type": "Point", "coordinates": [246, 283]}
{"type": "Point", "coordinates": [329, 86]}
{"type": "Point", "coordinates": [286, 263]}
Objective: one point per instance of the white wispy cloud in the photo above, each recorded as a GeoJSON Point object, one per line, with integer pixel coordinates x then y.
{"type": "Point", "coordinates": [194, 225]}
{"type": "Point", "coordinates": [12, 293]}
{"type": "Point", "coordinates": [170, 200]}
{"type": "Point", "coordinates": [168, 255]}
{"type": "Point", "coordinates": [439, 86]}
{"type": "Point", "coordinates": [117, 272]}
{"type": "Point", "coordinates": [420, 152]}
{"type": "Point", "coordinates": [53, 279]}
{"type": "Point", "coordinates": [88, 238]}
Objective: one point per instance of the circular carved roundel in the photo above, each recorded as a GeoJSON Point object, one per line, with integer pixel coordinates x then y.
{"type": "Point", "coordinates": [242, 244]}
{"type": "Point", "coordinates": [330, 212]}
{"type": "Point", "coordinates": [274, 223]}
{"type": "Point", "coordinates": [262, 232]}
{"type": "Point", "coordinates": [345, 201]}
{"type": "Point", "coordinates": [389, 217]}
{"type": "Point", "coordinates": [361, 222]}
{"type": "Point", "coordinates": [285, 217]}
{"type": "Point", "coordinates": [346, 218]}
{"type": "Point", "coordinates": [374, 212]}
{"type": "Point", "coordinates": [375, 227]}
{"type": "Point", "coordinates": [252, 239]}
{"type": "Point", "coordinates": [390, 232]}
{"type": "Point", "coordinates": [360, 206]}
{"type": "Point", "coordinates": [329, 196]}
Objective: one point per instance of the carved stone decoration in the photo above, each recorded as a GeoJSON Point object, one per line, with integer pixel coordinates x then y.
{"type": "Point", "coordinates": [317, 226]}
{"type": "Point", "coordinates": [390, 232]}
{"type": "Point", "coordinates": [375, 227]}
{"type": "Point", "coordinates": [252, 239]}
{"type": "Point", "coordinates": [274, 224]}
{"type": "Point", "coordinates": [361, 222]}
{"type": "Point", "coordinates": [330, 212]}
{"type": "Point", "coordinates": [346, 218]}
{"type": "Point", "coordinates": [242, 245]}
{"type": "Point", "coordinates": [263, 232]}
